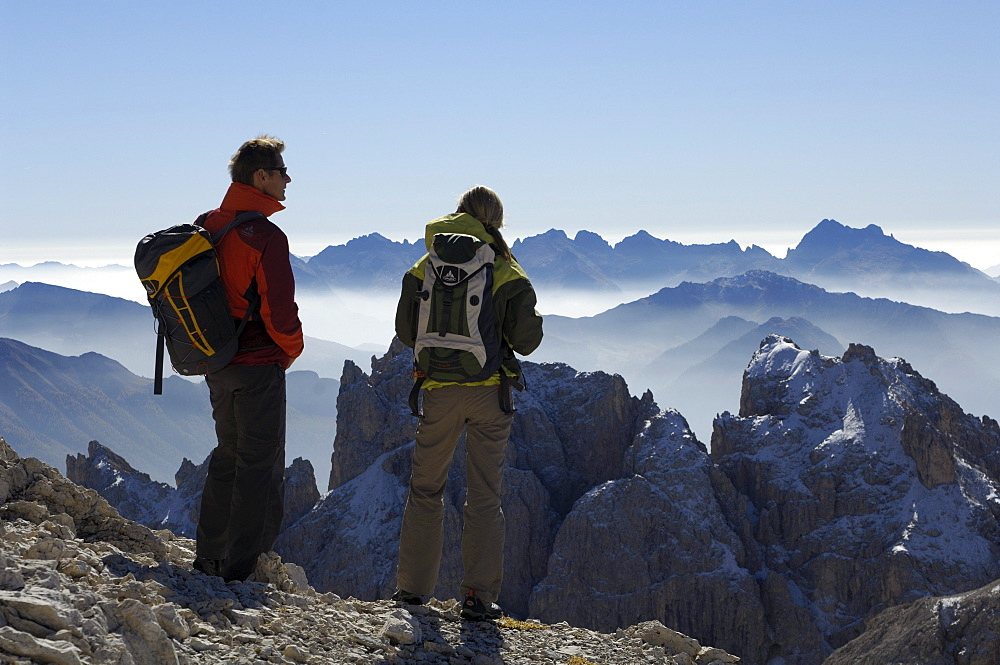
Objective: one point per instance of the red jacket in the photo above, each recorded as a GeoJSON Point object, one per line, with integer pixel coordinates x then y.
{"type": "Point", "coordinates": [258, 249]}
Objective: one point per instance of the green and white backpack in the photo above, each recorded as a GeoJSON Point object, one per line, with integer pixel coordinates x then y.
{"type": "Point", "coordinates": [457, 338]}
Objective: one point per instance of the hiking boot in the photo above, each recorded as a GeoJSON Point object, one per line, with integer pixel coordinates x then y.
{"type": "Point", "coordinates": [474, 609]}
{"type": "Point", "coordinates": [407, 597]}
{"type": "Point", "coordinates": [208, 566]}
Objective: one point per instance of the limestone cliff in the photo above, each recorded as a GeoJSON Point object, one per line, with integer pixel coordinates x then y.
{"type": "Point", "coordinates": [859, 487]}
{"type": "Point", "coordinates": [962, 628]}
{"type": "Point", "coordinates": [654, 542]}
{"type": "Point", "coordinates": [378, 419]}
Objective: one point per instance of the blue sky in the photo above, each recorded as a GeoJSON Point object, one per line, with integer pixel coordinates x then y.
{"type": "Point", "coordinates": [697, 121]}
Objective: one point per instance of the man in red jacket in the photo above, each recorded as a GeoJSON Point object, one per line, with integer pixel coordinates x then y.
{"type": "Point", "coordinates": [242, 501]}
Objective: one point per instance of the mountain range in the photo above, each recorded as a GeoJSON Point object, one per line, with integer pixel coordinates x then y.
{"type": "Point", "coordinates": [113, 279]}
{"type": "Point", "coordinates": [367, 261]}
{"type": "Point", "coordinates": [688, 343]}
{"type": "Point", "coordinates": [836, 257]}
{"type": "Point", "coordinates": [688, 353]}
{"type": "Point", "coordinates": [843, 487]}
{"type": "Point", "coordinates": [51, 406]}
{"type": "Point", "coordinates": [831, 255]}
{"type": "Point", "coordinates": [72, 322]}
{"type": "Point", "coordinates": [685, 344]}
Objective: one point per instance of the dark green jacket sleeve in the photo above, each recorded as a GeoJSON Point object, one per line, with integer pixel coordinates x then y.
{"type": "Point", "coordinates": [521, 324]}
{"type": "Point", "coordinates": [406, 310]}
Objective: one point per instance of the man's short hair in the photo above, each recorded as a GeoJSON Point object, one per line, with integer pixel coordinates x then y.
{"type": "Point", "coordinates": [259, 153]}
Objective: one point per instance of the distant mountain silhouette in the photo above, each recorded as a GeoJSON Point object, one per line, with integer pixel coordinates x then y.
{"type": "Point", "coordinates": [701, 375]}
{"type": "Point", "coordinates": [549, 259]}
{"type": "Point", "coordinates": [831, 255]}
{"type": "Point", "coordinates": [865, 259]}
{"type": "Point", "coordinates": [368, 261]}
{"type": "Point", "coordinates": [723, 347]}
{"type": "Point", "coordinates": [552, 258]}
{"type": "Point", "coordinates": [53, 405]}
{"type": "Point", "coordinates": [677, 359]}
{"type": "Point", "coordinates": [73, 322]}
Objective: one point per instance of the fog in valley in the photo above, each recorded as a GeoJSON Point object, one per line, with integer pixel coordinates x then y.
{"type": "Point", "coordinates": [694, 365]}
{"type": "Point", "coordinates": [119, 281]}
{"type": "Point", "coordinates": [689, 370]}
{"type": "Point", "coordinates": [365, 318]}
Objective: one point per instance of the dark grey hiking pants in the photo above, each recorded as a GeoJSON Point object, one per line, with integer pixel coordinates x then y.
{"type": "Point", "coordinates": [243, 499]}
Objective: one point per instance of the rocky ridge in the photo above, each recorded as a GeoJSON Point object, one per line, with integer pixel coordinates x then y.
{"type": "Point", "coordinates": [858, 486]}
{"type": "Point", "coordinates": [960, 629]}
{"type": "Point", "coordinates": [81, 584]}
{"type": "Point", "coordinates": [158, 505]}
{"type": "Point", "coordinates": [844, 486]}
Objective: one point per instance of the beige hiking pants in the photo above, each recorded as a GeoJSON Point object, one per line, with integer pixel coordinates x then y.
{"type": "Point", "coordinates": [446, 411]}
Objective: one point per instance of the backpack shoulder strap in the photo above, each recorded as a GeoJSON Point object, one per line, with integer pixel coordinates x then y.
{"type": "Point", "coordinates": [158, 368]}
{"type": "Point", "coordinates": [252, 296]}
{"type": "Point", "coordinates": [245, 216]}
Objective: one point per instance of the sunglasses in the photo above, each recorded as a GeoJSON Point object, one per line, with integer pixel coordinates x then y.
{"type": "Point", "coordinates": [283, 170]}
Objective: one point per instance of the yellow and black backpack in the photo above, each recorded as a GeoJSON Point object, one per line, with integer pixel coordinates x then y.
{"type": "Point", "coordinates": [179, 268]}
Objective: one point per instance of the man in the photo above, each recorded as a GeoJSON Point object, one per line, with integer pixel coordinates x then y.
{"type": "Point", "coordinates": [242, 502]}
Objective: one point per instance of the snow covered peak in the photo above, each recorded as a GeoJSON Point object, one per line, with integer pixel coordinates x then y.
{"type": "Point", "coordinates": [777, 356]}
{"type": "Point", "coordinates": [857, 468]}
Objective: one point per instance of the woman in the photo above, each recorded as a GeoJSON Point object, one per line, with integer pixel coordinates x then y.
{"type": "Point", "coordinates": [481, 406]}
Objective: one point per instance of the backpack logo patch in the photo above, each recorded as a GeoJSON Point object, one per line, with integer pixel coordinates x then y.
{"type": "Point", "coordinates": [450, 275]}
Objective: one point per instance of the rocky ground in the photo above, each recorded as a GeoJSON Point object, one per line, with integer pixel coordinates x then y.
{"type": "Point", "coordinates": [81, 584]}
